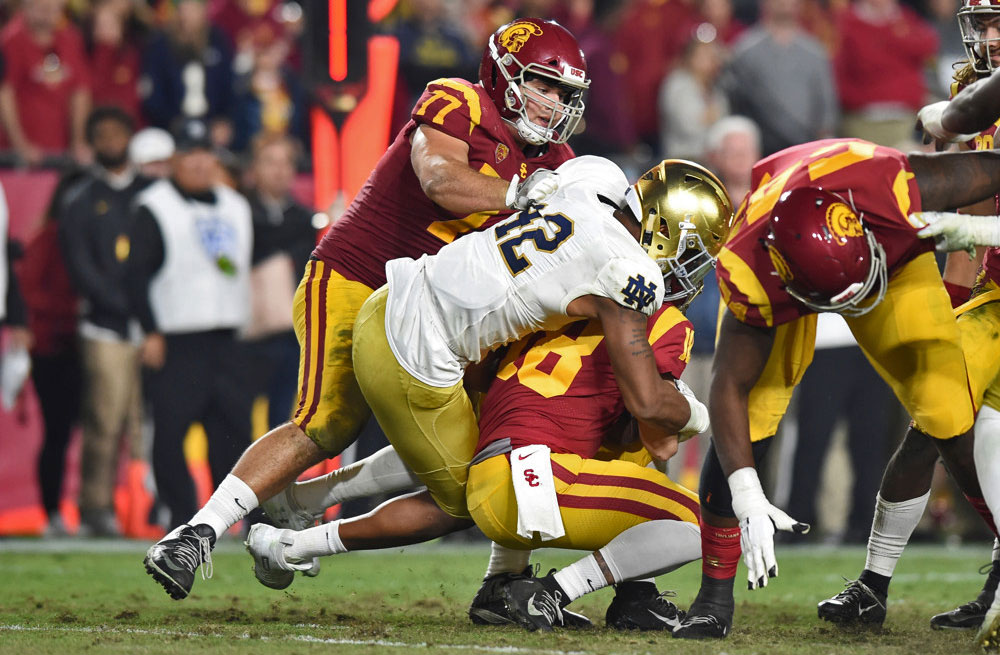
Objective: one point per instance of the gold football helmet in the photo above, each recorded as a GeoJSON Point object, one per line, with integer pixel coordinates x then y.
{"type": "Point", "coordinates": [685, 214]}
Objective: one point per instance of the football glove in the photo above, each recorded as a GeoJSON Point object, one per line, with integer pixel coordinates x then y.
{"type": "Point", "coordinates": [929, 120]}
{"type": "Point", "coordinates": [952, 231]}
{"type": "Point", "coordinates": [699, 413]}
{"type": "Point", "coordinates": [758, 519]}
{"type": "Point", "coordinates": [535, 188]}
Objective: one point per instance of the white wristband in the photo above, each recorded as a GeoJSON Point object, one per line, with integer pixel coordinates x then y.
{"type": "Point", "coordinates": [698, 421]}
{"type": "Point", "coordinates": [744, 486]}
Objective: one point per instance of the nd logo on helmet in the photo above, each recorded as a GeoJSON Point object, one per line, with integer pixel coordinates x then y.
{"type": "Point", "coordinates": [843, 222]}
{"type": "Point", "coordinates": [780, 265]}
{"type": "Point", "coordinates": [518, 34]}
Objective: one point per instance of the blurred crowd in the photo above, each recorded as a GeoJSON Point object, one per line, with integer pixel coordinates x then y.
{"type": "Point", "coordinates": [198, 97]}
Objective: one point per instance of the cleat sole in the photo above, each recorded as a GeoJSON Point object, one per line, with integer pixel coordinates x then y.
{"type": "Point", "coordinates": [169, 585]}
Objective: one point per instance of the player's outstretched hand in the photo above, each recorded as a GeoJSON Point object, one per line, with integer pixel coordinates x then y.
{"type": "Point", "coordinates": [929, 122]}
{"type": "Point", "coordinates": [535, 188]}
{"type": "Point", "coordinates": [952, 231]}
{"type": "Point", "coordinates": [758, 521]}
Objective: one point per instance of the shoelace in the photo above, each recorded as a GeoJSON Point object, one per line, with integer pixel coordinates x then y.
{"type": "Point", "coordinates": [701, 619]}
{"type": "Point", "coordinates": [196, 555]}
{"type": "Point", "coordinates": [856, 590]}
{"type": "Point", "coordinates": [549, 606]}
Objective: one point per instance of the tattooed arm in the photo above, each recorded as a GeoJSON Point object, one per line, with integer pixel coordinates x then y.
{"type": "Point", "coordinates": [950, 180]}
{"type": "Point", "coordinates": [648, 397]}
{"type": "Point", "coordinates": [740, 356]}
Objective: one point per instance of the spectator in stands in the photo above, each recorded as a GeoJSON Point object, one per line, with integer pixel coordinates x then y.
{"type": "Point", "coordinates": [93, 232]}
{"type": "Point", "coordinates": [114, 57]}
{"type": "Point", "coordinates": [719, 14]}
{"type": "Point", "coordinates": [283, 239]}
{"type": "Point", "coordinates": [45, 94]}
{"type": "Point", "coordinates": [245, 22]}
{"type": "Point", "coordinates": [188, 71]}
{"type": "Point", "coordinates": [609, 130]}
{"type": "Point", "coordinates": [189, 285]}
{"type": "Point", "coordinates": [884, 53]}
{"type": "Point", "coordinates": [781, 78]}
{"type": "Point", "coordinates": [270, 97]}
{"type": "Point", "coordinates": [150, 151]}
{"type": "Point", "coordinates": [430, 46]}
{"type": "Point", "coordinates": [691, 99]}
{"type": "Point", "coordinates": [55, 357]}
{"type": "Point", "coordinates": [651, 37]}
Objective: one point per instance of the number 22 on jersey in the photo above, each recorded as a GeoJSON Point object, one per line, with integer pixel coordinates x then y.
{"type": "Point", "coordinates": [546, 231]}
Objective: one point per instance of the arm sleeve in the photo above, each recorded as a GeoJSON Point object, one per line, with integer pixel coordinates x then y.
{"type": "Point", "coordinates": [671, 336]}
{"type": "Point", "coordinates": [145, 259]}
{"type": "Point", "coordinates": [632, 282]}
{"type": "Point", "coordinates": [90, 282]}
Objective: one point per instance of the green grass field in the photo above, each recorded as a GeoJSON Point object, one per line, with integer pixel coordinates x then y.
{"type": "Point", "coordinates": [94, 597]}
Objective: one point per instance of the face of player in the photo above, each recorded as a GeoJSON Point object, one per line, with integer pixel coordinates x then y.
{"type": "Point", "coordinates": [194, 171]}
{"type": "Point", "coordinates": [540, 96]}
{"type": "Point", "coordinates": [988, 28]}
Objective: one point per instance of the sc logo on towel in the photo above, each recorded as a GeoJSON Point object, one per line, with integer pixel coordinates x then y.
{"type": "Point", "coordinates": [531, 478]}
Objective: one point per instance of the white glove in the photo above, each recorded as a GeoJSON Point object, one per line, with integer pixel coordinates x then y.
{"type": "Point", "coordinates": [953, 231]}
{"type": "Point", "coordinates": [15, 366]}
{"type": "Point", "coordinates": [535, 188]}
{"type": "Point", "coordinates": [699, 413]}
{"type": "Point", "coordinates": [758, 520]}
{"type": "Point", "coordinates": [930, 116]}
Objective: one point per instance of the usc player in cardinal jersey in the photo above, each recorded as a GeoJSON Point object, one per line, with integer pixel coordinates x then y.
{"type": "Point", "coordinates": [470, 155]}
{"type": "Point", "coordinates": [830, 226]}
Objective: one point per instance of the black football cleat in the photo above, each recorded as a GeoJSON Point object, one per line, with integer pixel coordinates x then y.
{"type": "Point", "coordinates": [640, 606]}
{"type": "Point", "coordinates": [705, 621]}
{"type": "Point", "coordinates": [857, 604]}
{"type": "Point", "coordinates": [540, 603]}
{"type": "Point", "coordinates": [173, 560]}
{"type": "Point", "coordinates": [971, 614]}
{"type": "Point", "coordinates": [488, 606]}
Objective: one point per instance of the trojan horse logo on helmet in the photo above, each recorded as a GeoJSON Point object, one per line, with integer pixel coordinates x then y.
{"type": "Point", "coordinates": [515, 36]}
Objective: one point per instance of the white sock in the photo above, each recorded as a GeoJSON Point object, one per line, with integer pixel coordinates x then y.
{"type": "Point", "coordinates": [581, 577]}
{"type": "Point", "coordinates": [891, 529]}
{"type": "Point", "coordinates": [986, 452]}
{"type": "Point", "coordinates": [229, 505]}
{"type": "Point", "coordinates": [381, 472]}
{"type": "Point", "coordinates": [506, 560]}
{"type": "Point", "coordinates": [651, 549]}
{"type": "Point", "coordinates": [996, 550]}
{"type": "Point", "coordinates": [320, 541]}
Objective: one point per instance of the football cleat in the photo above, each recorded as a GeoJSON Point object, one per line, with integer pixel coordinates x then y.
{"type": "Point", "coordinates": [857, 604]}
{"type": "Point", "coordinates": [172, 561]}
{"type": "Point", "coordinates": [705, 621]}
{"type": "Point", "coordinates": [640, 606]}
{"type": "Point", "coordinates": [285, 512]}
{"type": "Point", "coordinates": [267, 544]}
{"type": "Point", "coordinates": [532, 605]}
{"type": "Point", "coordinates": [970, 615]}
{"type": "Point", "coordinates": [988, 636]}
{"type": "Point", "coordinates": [488, 606]}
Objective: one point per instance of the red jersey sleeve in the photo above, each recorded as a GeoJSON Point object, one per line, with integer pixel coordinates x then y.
{"type": "Point", "coordinates": [450, 105]}
{"type": "Point", "coordinates": [671, 336]}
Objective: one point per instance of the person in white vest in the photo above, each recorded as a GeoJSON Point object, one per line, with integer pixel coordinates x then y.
{"type": "Point", "coordinates": [189, 286]}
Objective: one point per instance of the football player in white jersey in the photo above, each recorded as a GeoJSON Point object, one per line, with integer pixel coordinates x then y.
{"type": "Point", "coordinates": [587, 252]}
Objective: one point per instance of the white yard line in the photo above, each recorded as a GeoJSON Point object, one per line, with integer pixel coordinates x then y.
{"type": "Point", "coordinates": [303, 638]}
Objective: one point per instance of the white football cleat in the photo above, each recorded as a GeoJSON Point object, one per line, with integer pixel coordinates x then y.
{"type": "Point", "coordinates": [286, 513]}
{"type": "Point", "coordinates": [266, 544]}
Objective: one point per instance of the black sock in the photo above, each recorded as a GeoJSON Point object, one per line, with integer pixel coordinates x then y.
{"type": "Point", "coordinates": [876, 581]}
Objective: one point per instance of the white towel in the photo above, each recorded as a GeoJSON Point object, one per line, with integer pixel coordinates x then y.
{"type": "Point", "coordinates": [535, 491]}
